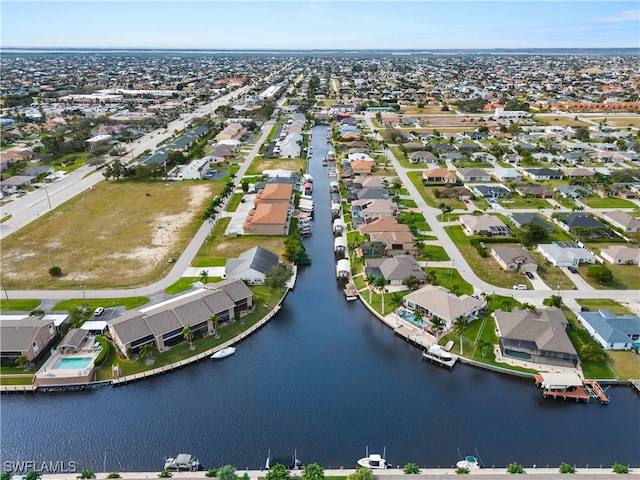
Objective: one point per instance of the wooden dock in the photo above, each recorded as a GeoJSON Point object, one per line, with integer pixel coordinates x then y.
{"type": "Point", "coordinates": [440, 361]}
{"type": "Point", "coordinates": [570, 387]}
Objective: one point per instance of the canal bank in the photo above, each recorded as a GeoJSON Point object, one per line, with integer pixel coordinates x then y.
{"type": "Point", "coordinates": [327, 379]}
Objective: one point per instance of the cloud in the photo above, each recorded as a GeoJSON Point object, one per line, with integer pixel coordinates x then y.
{"type": "Point", "coordinates": [625, 16]}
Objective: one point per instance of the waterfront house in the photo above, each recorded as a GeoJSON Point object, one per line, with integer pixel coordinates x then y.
{"type": "Point", "coordinates": [272, 210]}
{"type": "Point", "coordinates": [162, 324]}
{"type": "Point", "coordinates": [251, 265]}
{"type": "Point", "coordinates": [612, 332]}
{"type": "Point", "coordinates": [433, 300]}
{"type": "Point", "coordinates": [395, 269]}
{"type": "Point", "coordinates": [514, 259]}
{"type": "Point", "coordinates": [29, 337]}
{"type": "Point", "coordinates": [537, 336]}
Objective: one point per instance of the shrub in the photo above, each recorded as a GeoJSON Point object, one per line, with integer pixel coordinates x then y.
{"type": "Point", "coordinates": [619, 468]}
{"type": "Point", "coordinates": [86, 474]}
{"type": "Point", "coordinates": [411, 469]}
{"type": "Point", "coordinates": [462, 470]}
{"type": "Point", "coordinates": [104, 353]}
{"type": "Point", "coordinates": [515, 468]}
{"type": "Point", "coordinates": [5, 476]}
{"type": "Point", "coordinates": [566, 468]}
{"type": "Point", "coordinates": [211, 473]}
{"type": "Point", "coordinates": [113, 475]}
{"type": "Point", "coordinates": [55, 271]}
{"type": "Point", "coordinates": [165, 474]}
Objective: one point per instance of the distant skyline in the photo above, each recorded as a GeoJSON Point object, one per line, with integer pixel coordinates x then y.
{"type": "Point", "coordinates": [324, 24]}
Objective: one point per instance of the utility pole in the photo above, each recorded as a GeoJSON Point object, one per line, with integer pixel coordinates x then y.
{"type": "Point", "coordinates": [6, 294]}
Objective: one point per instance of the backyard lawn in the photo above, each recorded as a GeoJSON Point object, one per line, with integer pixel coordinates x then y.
{"type": "Point", "coordinates": [608, 202]}
{"type": "Point", "coordinates": [595, 304]}
{"type": "Point", "coordinates": [520, 202]}
{"type": "Point", "coordinates": [625, 277]}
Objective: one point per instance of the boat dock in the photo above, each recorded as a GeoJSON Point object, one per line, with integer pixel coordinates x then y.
{"type": "Point", "coordinates": [440, 361]}
{"type": "Point", "coordinates": [570, 387]}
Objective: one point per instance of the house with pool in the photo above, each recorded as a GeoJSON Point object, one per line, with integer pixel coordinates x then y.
{"type": "Point", "coordinates": [433, 300]}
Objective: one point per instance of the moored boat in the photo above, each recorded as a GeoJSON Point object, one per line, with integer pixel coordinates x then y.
{"type": "Point", "coordinates": [225, 352]}
{"type": "Point", "coordinates": [469, 462]}
{"type": "Point", "coordinates": [373, 461]}
{"type": "Point", "coordinates": [437, 351]}
{"type": "Point", "coordinates": [183, 462]}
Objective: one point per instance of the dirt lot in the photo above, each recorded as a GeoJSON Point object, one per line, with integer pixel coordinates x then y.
{"type": "Point", "coordinates": [293, 164]}
{"type": "Point", "coordinates": [117, 234]}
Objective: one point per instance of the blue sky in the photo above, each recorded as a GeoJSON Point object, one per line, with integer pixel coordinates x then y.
{"type": "Point", "coordinates": [325, 24]}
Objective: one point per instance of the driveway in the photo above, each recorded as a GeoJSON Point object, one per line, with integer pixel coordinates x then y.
{"type": "Point", "coordinates": [577, 280]}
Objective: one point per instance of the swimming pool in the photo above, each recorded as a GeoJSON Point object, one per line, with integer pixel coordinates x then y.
{"type": "Point", "coordinates": [72, 363]}
{"type": "Point", "coordinates": [405, 314]}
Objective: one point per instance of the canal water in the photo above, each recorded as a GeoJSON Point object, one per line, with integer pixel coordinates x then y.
{"type": "Point", "coordinates": [327, 379]}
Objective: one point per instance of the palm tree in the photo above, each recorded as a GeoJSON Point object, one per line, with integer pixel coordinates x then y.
{"type": "Point", "coordinates": [459, 324]}
{"type": "Point", "coordinates": [381, 284]}
{"type": "Point", "coordinates": [146, 351]}
{"type": "Point", "coordinates": [397, 301]}
{"type": "Point", "coordinates": [438, 325]}
{"type": "Point", "coordinates": [371, 278]}
{"type": "Point", "coordinates": [483, 346]}
{"type": "Point", "coordinates": [204, 276]}
{"type": "Point", "coordinates": [431, 276]}
{"type": "Point", "coordinates": [187, 333]}
{"type": "Point", "coordinates": [215, 320]}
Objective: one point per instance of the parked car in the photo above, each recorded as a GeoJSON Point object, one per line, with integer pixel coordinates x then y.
{"type": "Point", "coordinates": [573, 269]}
{"type": "Point", "coordinates": [520, 286]}
{"type": "Point", "coordinates": [584, 309]}
{"type": "Point", "coordinates": [529, 275]}
{"type": "Point", "coordinates": [98, 311]}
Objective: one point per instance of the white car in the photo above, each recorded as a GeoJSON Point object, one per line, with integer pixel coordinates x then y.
{"type": "Point", "coordinates": [98, 311]}
{"type": "Point", "coordinates": [520, 286]}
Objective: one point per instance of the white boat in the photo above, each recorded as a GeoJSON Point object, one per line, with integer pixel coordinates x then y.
{"type": "Point", "coordinates": [184, 462]}
{"type": "Point", "coordinates": [373, 461]}
{"type": "Point", "coordinates": [469, 462]}
{"type": "Point", "coordinates": [225, 352]}
{"type": "Point", "coordinates": [437, 351]}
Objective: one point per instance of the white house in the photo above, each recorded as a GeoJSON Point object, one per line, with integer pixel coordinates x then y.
{"type": "Point", "coordinates": [612, 332]}
{"type": "Point", "coordinates": [251, 265]}
{"type": "Point", "coordinates": [565, 254]}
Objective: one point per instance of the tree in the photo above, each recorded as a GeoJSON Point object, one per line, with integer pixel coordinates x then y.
{"type": "Point", "coordinates": [484, 346]}
{"type": "Point", "coordinates": [146, 351]}
{"type": "Point", "coordinates": [600, 272]}
{"type": "Point", "coordinates": [21, 361]}
{"type": "Point", "coordinates": [33, 475]}
{"type": "Point", "coordinates": [215, 321]}
{"type": "Point", "coordinates": [204, 276]}
{"type": "Point", "coordinates": [566, 468]}
{"type": "Point", "coordinates": [278, 472]}
{"type": "Point", "coordinates": [187, 333]}
{"type": "Point", "coordinates": [397, 301]}
{"type": "Point", "coordinates": [313, 472]}
{"type": "Point", "coordinates": [361, 474]}
{"type": "Point", "coordinates": [227, 472]}
{"type": "Point", "coordinates": [531, 233]}
{"type": "Point", "coordinates": [381, 285]}
{"type": "Point", "coordinates": [278, 275]}
{"type": "Point", "coordinates": [411, 469]}
{"type": "Point", "coordinates": [515, 468]}
{"type": "Point", "coordinates": [245, 186]}
{"type": "Point", "coordinates": [437, 324]}
{"type": "Point", "coordinates": [213, 472]}
{"type": "Point", "coordinates": [459, 324]}
{"type": "Point", "coordinates": [371, 279]}
{"type": "Point", "coordinates": [38, 312]}
{"type": "Point", "coordinates": [5, 476]}
{"type": "Point", "coordinates": [412, 282]}
{"type": "Point", "coordinates": [55, 271]}
{"type": "Point", "coordinates": [431, 276]}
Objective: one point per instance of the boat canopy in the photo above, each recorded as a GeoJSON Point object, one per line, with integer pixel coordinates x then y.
{"type": "Point", "coordinates": [560, 380]}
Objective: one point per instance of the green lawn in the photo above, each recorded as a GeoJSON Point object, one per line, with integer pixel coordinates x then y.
{"type": "Point", "coordinates": [520, 202]}
{"type": "Point", "coordinates": [595, 304]}
{"type": "Point", "coordinates": [186, 283]}
{"type": "Point", "coordinates": [625, 277]}
{"type": "Point", "coordinates": [434, 253]}
{"type": "Point", "coordinates": [232, 206]}
{"type": "Point", "coordinates": [92, 303]}
{"type": "Point", "coordinates": [19, 305]}
{"type": "Point", "coordinates": [608, 202]}
{"type": "Point", "coordinates": [5, 218]}
{"type": "Point", "coordinates": [473, 165]}
{"type": "Point", "coordinates": [451, 279]}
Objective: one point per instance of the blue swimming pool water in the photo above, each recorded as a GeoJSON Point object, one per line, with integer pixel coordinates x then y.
{"type": "Point", "coordinates": [411, 318]}
{"type": "Point", "coordinates": [69, 363]}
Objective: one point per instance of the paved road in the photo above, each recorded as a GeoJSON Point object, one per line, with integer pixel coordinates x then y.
{"type": "Point", "coordinates": [460, 263]}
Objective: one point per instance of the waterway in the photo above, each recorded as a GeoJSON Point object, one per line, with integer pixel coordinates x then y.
{"type": "Point", "coordinates": [326, 378]}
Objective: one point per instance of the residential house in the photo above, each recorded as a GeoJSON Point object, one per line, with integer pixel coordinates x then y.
{"type": "Point", "coordinates": [367, 194]}
{"type": "Point", "coordinates": [537, 336]}
{"type": "Point", "coordinates": [572, 221]}
{"type": "Point", "coordinates": [542, 173]}
{"type": "Point", "coordinates": [578, 172]}
{"type": "Point", "coordinates": [571, 192]}
{"type": "Point", "coordinates": [395, 269]}
{"type": "Point", "coordinates": [621, 255]}
{"type": "Point", "coordinates": [272, 210]}
{"type": "Point", "coordinates": [29, 337]}
{"type": "Point", "coordinates": [483, 157]}
{"type": "Point", "coordinates": [438, 175]}
{"type": "Point", "coordinates": [15, 183]}
{"type": "Point", "coordinates": [163, 323]}
{"type": "Point", "coordinates": [484, 225]}
{"type": "Point", "coordinates": [520, 219]}
{"type": "Point", "coordinates": [422, 156]}
{"type": "Point", "coordinates": [363, 209]}
{"type": "Point", "coordinates": [473, 175]}
{"type": "Point", "coordinates": [491, 191]}
{"type": "Point", "coordinates": [565, 254]}
{"type": "Point", "coordinates": [533, 191]}
{"type": "Point", "coordinates": [461, 193]}
{"type": "Point", "coordinates": [612, 332]}
{"type": "Point", "coordinates": [514, 259]}
{"type": "Point", "coordinates": [251, 265]}
{"type": "Point", "coordinates": [360, 167]}
{"type": "Point", "coordinates": [623, 221]}
{"type": "Point", "coordinates": [506, 174]}
{"type": "Point", "coordinates": [433, 300]}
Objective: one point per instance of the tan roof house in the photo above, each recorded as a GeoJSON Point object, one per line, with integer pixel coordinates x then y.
{"type": "Point", "coordinates": [514, 259]}
{"type": "Point", "coordinates": [383, 224]}
{"type": "Point", "coordinates": [621, 255]}
{"type": "Point", "coordinates": [483, 225]}
{"type": "Point", "coordinates": [268, 219]}
{"type": "Point", "coordinates": [623, 221]}
{"type": "Point", "coordinates": [29, 337]}
{"type": "Point", "coordinates": [441, 175]}
{"type": "Point", "coordinates": [359, 167]}
{"type": "Point", "coordinates": [436, 300]}
{"type": "Point", "coordinates": [275, 193]}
